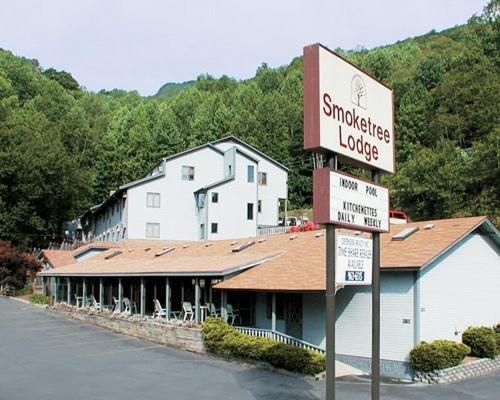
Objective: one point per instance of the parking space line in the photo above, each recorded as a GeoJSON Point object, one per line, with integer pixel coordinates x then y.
{"type": "Point", "coordinates": [111, 352]}
{"type": "Point", "coordinates": [69, 334]}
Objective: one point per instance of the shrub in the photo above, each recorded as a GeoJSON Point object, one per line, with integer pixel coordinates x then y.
{"type": "Point", "coordinates": [482, 341]}
{"type": "Point", "coordinates": [439, 354]}
{"type": "Point", "coordinates": [221, 338]}
{"type": "Point", "coordinates": [39, 299]}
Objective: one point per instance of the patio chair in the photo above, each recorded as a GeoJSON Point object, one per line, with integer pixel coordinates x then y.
{"type": "Point", "coordinates": [187, 311]}
{"type": "Point", "coordinates": [232, 314]}
{"type": "Point", "coordinates": [126, 305]}
{"type": "Point", "coordinates": [116, 305]}
{"type": "Point", "coordinates": [94, 303]}
{"type": "Point", "coordinates": [214, 312]}
{"type": "Point", "coordinates": [159, 312]}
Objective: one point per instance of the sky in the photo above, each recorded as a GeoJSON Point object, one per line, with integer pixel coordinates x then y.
{"type": "Point", "coordinates": [142, 44]}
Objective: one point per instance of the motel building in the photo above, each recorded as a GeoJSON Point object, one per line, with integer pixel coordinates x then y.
{"type": "Point", "coordinates": [220, 190]}
{"type": "Point", "coordinates": [437, 278]}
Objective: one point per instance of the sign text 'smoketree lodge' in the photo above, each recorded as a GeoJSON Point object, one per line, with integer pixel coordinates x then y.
{"type": "Point", "coordinates": [347, 112]}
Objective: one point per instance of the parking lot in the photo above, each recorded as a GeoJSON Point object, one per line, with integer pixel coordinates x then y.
{"type": "Point", "coordinates": [44, 355]}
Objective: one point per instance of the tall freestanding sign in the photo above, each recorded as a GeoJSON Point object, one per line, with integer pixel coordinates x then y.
{"type": "Point", "coordinates": [349, 117]}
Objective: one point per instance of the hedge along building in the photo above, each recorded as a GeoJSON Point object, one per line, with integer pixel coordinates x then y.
{"type": "Point", "coordinates": [438, 277]}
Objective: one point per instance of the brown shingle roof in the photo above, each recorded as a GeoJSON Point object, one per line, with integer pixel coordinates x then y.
{"type": "Point", "coordinates": [58, 258]}
{"type": "Point", "coordinates": [302, 266]}
{"type": "Point", "coordinates": [278, 263]}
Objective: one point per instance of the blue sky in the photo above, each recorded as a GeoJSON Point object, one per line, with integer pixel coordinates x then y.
{"type": "Point", "coordinates": [139, 45]}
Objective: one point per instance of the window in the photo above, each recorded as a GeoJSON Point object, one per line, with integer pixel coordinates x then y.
{"type": "Point", "coordinates": [215, 197]}
{"type": "Point", "coordinates": [187, 173]}
{"type": "Point", "coordinates": [250, 173]}
{"type": "Point", "coordinates": [202, 231]}
{"type": "Point", "coordinates": [215, 227]}
{"type": "Point", "coordinates": [250, 211]}
{"type": "Point", "coordinates": [259, 206]}
{"type": "Point", "coordinates": [152, 230]}
{"type": "Point", "coordinates": [262, 178]}
{"type": "Point", "coordinates": [153, 200]}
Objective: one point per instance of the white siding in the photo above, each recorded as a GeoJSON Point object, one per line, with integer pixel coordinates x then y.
{"type": "Point", "coordinates": [353, 322]}
{"type": "Point", "coordinates": [459, 290]}
{"type": "Point", "coordinates": [177, 215]}
{"type": "Point", "coordinates": [276, 188]}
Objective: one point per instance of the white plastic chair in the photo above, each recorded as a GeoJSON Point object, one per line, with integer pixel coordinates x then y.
{"type": "Point", "coordinates": [232, 313]}
{"type": "Point", "coordinates": [116, 307]}
{"type": "Point", "coordinates": [159, 312]}
{"type": "Point", "coordinates": [126, 305]}
{"type": "Point", "coordinates": [94, 303]}
{"type": "Point", "coordinates": [187, 311]}
{"type": "Point", "coordinates": [212, 310]}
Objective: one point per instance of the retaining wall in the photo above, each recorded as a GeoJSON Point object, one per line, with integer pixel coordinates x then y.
{"type": "Point", "coordinates": [464, 371]}
{"type": "Point", "coordinates": [186, 338]}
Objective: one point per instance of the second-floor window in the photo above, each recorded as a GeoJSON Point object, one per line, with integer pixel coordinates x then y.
{"type": "Point", "coordinates": [249, 211]}
{"type": "Point", "coordinates": [262, 178]}
{"type": "Point", "coordinates": [215, 197]}
{"type": "Point", "coordinates": [153, 200]}
{"type": "Point", "coordinates": [259, 206]}
{"type": "Point", "coordinates": [250, 173]}
{"type": "Point", "coordinates": [215, 227]}
{"type": "Point", "coordinates": [152, 230]}
{"type": "Point", "coordinates": [187, 173]}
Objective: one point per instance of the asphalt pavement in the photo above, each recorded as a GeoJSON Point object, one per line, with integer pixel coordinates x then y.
{"type": "Point", "coordinates": [46, 356]}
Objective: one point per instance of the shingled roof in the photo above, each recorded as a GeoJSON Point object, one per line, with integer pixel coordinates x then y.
{"type": "Point", "coordinates": [302, 266]}
{"type": "Point", "coordinates": [272, 263]}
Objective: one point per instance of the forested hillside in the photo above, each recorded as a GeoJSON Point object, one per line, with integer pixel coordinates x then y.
{"type": "Point", "coordinates": [62, 149]}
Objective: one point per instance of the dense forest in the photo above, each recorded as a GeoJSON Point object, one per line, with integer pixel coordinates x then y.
{"type": "Point", "coordinates": [63, 148]}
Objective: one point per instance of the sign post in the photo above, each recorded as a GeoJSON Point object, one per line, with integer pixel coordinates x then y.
{"type": "Point", "coordinates": [349, 117]}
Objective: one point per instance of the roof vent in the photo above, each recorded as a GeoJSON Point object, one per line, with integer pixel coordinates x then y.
{"type": "Point", "coordinates": [233, 243]}
{"type": "Point", "coordinates": [208, 244]}
{"type": "Point", "coordinates": [293, 237]}
{"type": "Point", "coordinates": [405, 233]}
{"type": "Point", "coordinates": [357, 233]}
{"type": "Point", "coordinates": [262, 240]}
{"type": "Point", "coordinates": [165, 250]}
{"type": "Point", "coordinates": [243, 246]}
{"type": "Point", "coordinates": [113, 254]}
{"type": "Point", "coordinates": [147, 249]}
{"type": "Point", "coordinates": [319, 234]}
{"type": "Point", "coordinates": [429, 226]}
{"type": "Point", "coordinates": [185, 246]}
{"type": "Point", "coordinates": [131, 250]}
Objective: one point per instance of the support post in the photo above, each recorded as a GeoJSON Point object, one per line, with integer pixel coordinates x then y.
{"type": "Point", "coordinates": [167, 297]}
{"type": "Point", "coordinates": [101, 293]}
{"type": "Point", "coordinates": [84, 300]}
{"type": "Point", "coordinates": [223, 302]}
{"type": "Point", "coordinates": [330, 302]}
{"type": "Point", "coordinates": [44, 286]}
{"type": "Point", "coordinates": [68, 281]}
{"type": "Point", "coordinates": [376, 309]}
{"type": "Point", "coordinates": [54, 290]}
{"type": "Point", "coordinates": [273, 312]}
{"type": "Point", "coordinates": [143, 298]}
{"type": "Point", "coordinates": [120, 295]}
{"type": "Point", "coordinates": [197, 316]}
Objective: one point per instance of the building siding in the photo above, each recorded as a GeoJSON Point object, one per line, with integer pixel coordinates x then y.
{"type": "Point", "coordinates": [460, 289]}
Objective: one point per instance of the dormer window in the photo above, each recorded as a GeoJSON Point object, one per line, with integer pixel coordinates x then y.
{"type": "Point", "coordinates": [187, 173]}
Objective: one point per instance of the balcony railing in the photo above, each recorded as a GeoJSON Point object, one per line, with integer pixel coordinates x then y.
{"type": "Point", "coordinates": [271, 230]}
{"type": "Point", "coordinates": [280, 337]}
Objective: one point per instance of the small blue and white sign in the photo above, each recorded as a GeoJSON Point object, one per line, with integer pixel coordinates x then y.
{"type": "Point", "coordinates": [353, 260]}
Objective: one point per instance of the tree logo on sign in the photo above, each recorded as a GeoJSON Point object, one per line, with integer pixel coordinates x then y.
{"type": "Point", "coordinates": [358, 91]}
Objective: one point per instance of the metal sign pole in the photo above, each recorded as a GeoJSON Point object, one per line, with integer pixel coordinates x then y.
{"type": "Point", "coordinates": [376, 309]}
{"type": "Point", "coordinates": [330, 302]}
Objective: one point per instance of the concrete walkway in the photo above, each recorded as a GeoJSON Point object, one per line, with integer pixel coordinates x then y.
{"type": "Point", "coordinates": [44, 356]}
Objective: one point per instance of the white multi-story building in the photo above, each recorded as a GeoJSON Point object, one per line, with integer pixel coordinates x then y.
{"type": "Point", "coordinates": [220, 190]}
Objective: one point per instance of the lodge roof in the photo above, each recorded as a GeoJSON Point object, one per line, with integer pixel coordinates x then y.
{"type": "Point", "coordinates": [278, 262]}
